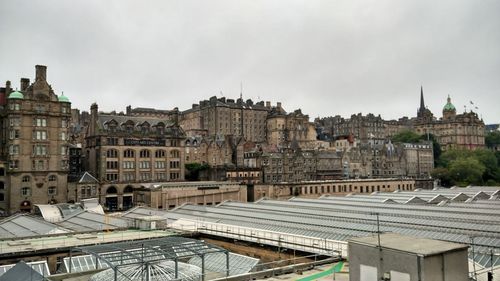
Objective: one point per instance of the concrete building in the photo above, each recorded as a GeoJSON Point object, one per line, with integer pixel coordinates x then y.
{"type": "Point", "coordinates": [34, 146]}
{"type": "Point", "coordinates": [404, 258]}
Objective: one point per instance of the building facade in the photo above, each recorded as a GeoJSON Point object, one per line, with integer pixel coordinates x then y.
{"type": "Point", "coordinates": [125, 152]}
{"type": "Point", "coordinates": [35, 148]}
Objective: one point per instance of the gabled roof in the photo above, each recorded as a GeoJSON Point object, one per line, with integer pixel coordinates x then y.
{"type": "Point", "coordinates": [87, 178]}
{"type": "Point", "coordinates": [416, 200]}
{"type": "Point", "coordinates": [21, 272]}
{"type": "Point", "coordinates": [461, 197]}
{"type": "Point", "coordinates": [22, 225]}
{"type": "Point", "coordinates": [438, 199]}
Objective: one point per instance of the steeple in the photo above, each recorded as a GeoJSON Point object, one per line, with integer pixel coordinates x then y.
{"type": "Point", "coordinates": [422, 104]}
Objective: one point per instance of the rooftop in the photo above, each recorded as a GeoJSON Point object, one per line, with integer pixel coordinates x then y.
{"type": "Point", "coordinates": [419, 246]}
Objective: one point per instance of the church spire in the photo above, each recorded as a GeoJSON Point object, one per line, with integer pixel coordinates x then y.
{"type": "Point", "coordinates": [422, 104]}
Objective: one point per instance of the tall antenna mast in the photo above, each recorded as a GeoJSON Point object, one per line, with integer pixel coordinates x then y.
{"type": "Point", "coordinates": [241, 90]}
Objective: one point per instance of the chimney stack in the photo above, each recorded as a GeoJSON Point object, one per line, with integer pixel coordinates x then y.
{"type": "Point", "coordinates": [41, 73]}
{"type": "Point", "coordinates": [25, 82]}
{"type": "Point", "coordinates": [268, 104]}
{"type": "Point", "coordinates": [278, 104]}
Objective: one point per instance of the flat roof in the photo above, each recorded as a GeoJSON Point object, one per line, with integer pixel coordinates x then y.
{"type": "Point", "coordinates": [410, 244]}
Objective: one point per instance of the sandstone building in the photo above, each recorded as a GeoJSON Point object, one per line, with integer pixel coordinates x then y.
{"type": "Point", "coordinates": [127, 151]}
{"type": "Point", "coordinates": [34, 144]}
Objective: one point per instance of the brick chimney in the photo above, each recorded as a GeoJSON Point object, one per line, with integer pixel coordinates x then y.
{"type": "Point", "coordinates": [25, 82]}
{"type": "Point", "coordinates": [41, 73]}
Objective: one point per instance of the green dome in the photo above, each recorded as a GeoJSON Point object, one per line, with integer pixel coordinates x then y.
{"type": "Point", "coordinates": [449, 106]}
{"type": "Point", "coordinates": [16, 95]}
{"type": "Point", "coordinates": [63, 98]}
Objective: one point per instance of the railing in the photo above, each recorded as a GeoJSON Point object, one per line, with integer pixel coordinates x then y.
{"type": "Point", "coordinates": [281, 240]}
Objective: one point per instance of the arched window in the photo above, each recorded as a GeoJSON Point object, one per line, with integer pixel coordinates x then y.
{"type": "Point", "coordinates": [144, 153]}
{"type": "Point", "coordinates": [129, 153]}
{"type": "Point", "coordinates": [174, 153]}
{"type": "Point", "coordinates": [145, 128]}
{"type": "Point", "coordinates": [160, 153]}
{"type": "Point", "coordinates": [128, 189]}
{"type": "Point", "coordinates": [188, 143]}
{"type": "Point", "coordinates": [26, 179]}
{"type": "Point", "coordinates": [52, 178]}
{"type": "Point", "coordinates": [111, 190]}
{"type": "Point", "coordinates": [112, 153]}
{"type": "Point", "coordinates": [160, 128]}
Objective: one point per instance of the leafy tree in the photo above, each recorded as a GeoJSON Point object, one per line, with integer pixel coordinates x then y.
{"type": "Point", "coordinates": [466, 170]}
{"type": "Point", "coordinates": [490, 162]}
{"type": "Point", "coordinates": [443, 175]}
{"type": "Point", "coordinates": [193, 170]}
{"type": "Point", "coordinates": [492, 139]}
{"type": "Point", "coordinates": [406, 136]}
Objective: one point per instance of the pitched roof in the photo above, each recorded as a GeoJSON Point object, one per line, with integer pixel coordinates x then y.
{"type": "Point", "coordinates": [21, 272]}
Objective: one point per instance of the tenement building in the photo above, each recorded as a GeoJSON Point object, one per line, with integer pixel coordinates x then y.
{"type": "Point", "coordinates": [34, 144]}
{"type": "Point", "coordinates": [222, 116]}
{"type": "Point", "coordinates": [125, 151]}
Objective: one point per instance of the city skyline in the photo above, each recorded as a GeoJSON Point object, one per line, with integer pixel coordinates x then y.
{"type": "Point", "coordinates": [326, 58]}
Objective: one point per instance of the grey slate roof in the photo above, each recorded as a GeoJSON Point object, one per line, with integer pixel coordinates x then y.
{"type": "Point", "coordinates": [21, 272]}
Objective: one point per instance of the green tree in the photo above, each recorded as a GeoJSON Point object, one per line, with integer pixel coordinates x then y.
{"type": "Point", "coordinates": [443, 175]}
{"type": "Point", "coordinates": [466, 170]}
{"type": "Point", "coordinates": [193, 170]}
{"type": "Point", "coordinates": [490, 162]}
{"type": "Point", "coordinates": [406, 136]}
{"type": "Point", "coordinates": [492, 139]}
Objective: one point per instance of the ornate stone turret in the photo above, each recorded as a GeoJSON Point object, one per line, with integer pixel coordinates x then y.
{"type": "Point", "coordinates": [449, 111]}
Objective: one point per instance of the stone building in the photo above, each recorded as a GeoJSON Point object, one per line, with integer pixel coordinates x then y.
{"type": "Point", "coordinates": [124, 152]}
{"type": "Point", "coordinates": [454, 130]}
{"type": "Point", "coordinates": [284, 128]}
{"type": "Point", "coordinates": [369, 128]}
{"type": "Point", "coordinates": [34, 145]}
{"type": "Point", "coordinates": [288, 165]}
{"type": "Point", "coordinates": [222, 116]}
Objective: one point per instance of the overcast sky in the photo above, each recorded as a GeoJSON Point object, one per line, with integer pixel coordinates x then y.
{"type": "Point", "coordinates": [325, 57]}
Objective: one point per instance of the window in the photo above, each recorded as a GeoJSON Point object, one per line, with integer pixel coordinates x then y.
{"type": "Point", "coordinates": [52, 178]}
{"type": "Point", "coordinates": [128, 165]}
{"type": "Point", "coordinates": [145, 176]}
{"type": "Point", "coordinates": [174, 176]}
{"type": "Point", "coordinates": [39, 135]}
{"type": "Point", "coordinates": [160, 164]}
{"type": "Point", "coordinates": [161, 176]}
{"type": "Point", "coordinates": [52, 190]}
{"type": "Point", "coordinates": [2, 197]}
{"type": "Point", "coordinates": [128, 176]}
{"type": "Point", "coordinates": [160, 153]}
{"type": "Point", "coordinates": [144, 165]}
{"type": "Point", "coordinates": [14, 149]}
{"type": "Point", "coordinates": [112, 165]}
{"type": "Point", "coordinates": [64, 123]}
{"type": "Point", "coordinates": [14, 164]}
{"type": "Point", "coordinates": [174, 164]}
{"type": "Point", "coordinates": [174, 153]}
{"type": "Point", "coordinates": [112, 153]}
{"type": "Point", "coordinates": [26, 179]}
{"type": "Point", "coordinates": [64, 164]}
{"type": "Point", "coordinates": [40, 149]}
{"type": "Point", "coordinates": [14, 121]}
{"type": "Point", "coordinates": [40, 122]}
{"type": "Point", "coordinates": [15, 106]}
{"type": "Point", "coordinates": [64, 136]}
{"type": "Point", "coordinates": [112, 177]}
{"type": "Point", "coordinates": [25, 191]}
{"type": "Point", "coordinates": [112, 141]}
{"type": "Point", "coordinates": [14, 134]}
{"type": "Point", "coordinates": [64, 150]}
{"type": "Point", "coordinates": [144, 153]}
{"type": "Point", "coordinates": [129, 153]}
